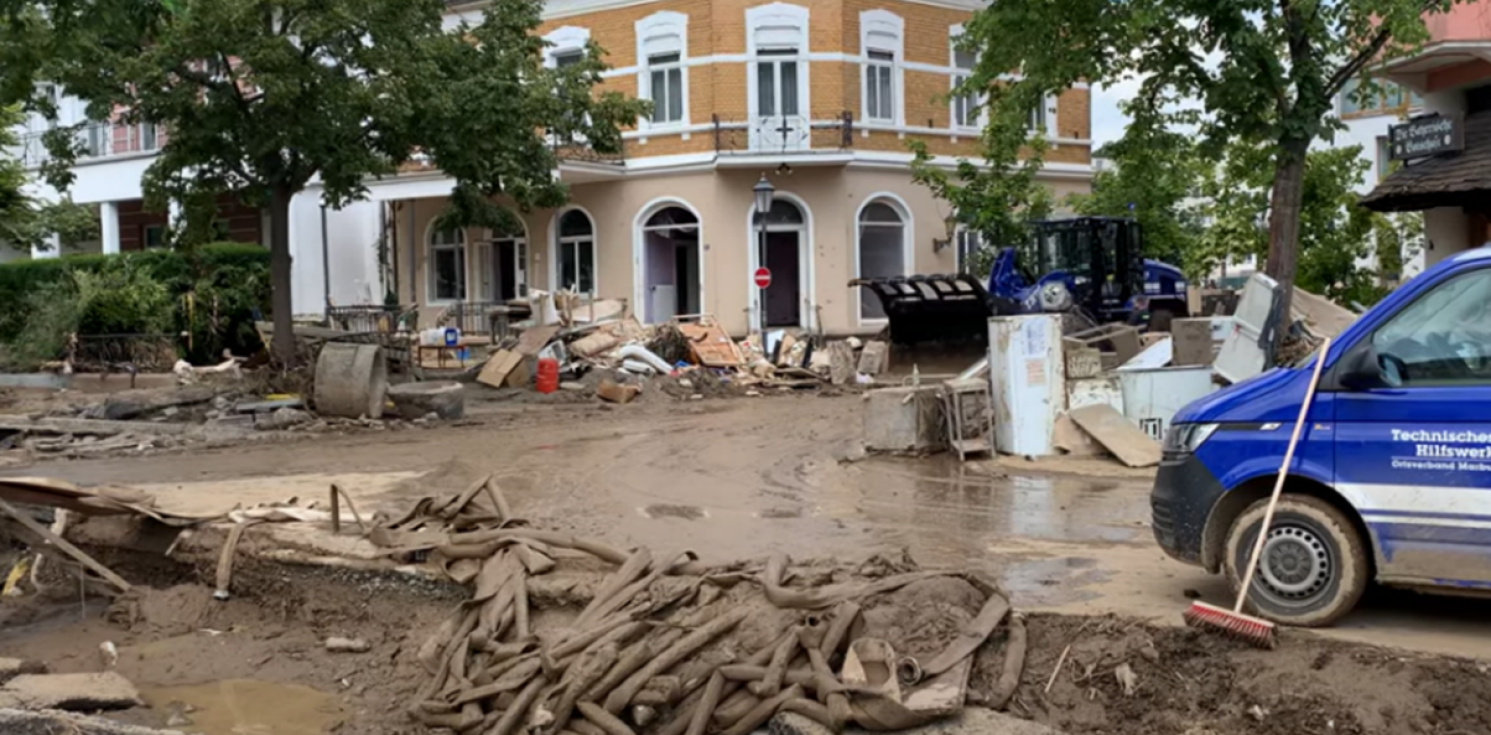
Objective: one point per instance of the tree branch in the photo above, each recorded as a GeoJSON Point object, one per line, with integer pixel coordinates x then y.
{"type": "Point", "coordinates": [1374, 47]}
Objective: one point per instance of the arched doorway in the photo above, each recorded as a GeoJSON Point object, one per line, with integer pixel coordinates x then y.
{"type": "Point", "coordinates": [668, 259]}
{"type": "Point", "coordinates": [784, 253]}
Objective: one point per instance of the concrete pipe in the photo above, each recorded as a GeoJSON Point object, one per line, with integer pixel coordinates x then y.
{"type": "Point", "coordinates": [444, 398]}
{"type": "Point", "coordinates": [351, 381]}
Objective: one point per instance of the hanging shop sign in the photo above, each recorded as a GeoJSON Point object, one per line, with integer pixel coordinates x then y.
{"type": "Point", "coordinates": [1427, 136]}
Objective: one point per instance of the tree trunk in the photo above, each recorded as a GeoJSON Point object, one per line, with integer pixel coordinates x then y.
{"type": "Point", "coordinates": [1283, 222]}
{"type": "Point", "coordinates": [280, 280]}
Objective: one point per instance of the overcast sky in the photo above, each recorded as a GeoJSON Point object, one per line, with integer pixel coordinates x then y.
{"type": "Point", "coordinates": [1107, 122]}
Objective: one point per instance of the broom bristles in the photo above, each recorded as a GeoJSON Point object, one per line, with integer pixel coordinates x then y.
{"type": "Point", "coordinates": [1256, 631]}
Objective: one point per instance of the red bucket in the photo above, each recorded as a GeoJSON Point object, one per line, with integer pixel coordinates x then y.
{"type": "Point", "coordinates": [548, 375]}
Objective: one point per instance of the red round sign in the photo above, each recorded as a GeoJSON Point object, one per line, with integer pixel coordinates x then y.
{"type": "Point", "coordinates": [763, 278]}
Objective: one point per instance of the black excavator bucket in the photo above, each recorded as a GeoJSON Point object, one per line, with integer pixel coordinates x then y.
{"type": "Point", "coordinates": [935, 308]}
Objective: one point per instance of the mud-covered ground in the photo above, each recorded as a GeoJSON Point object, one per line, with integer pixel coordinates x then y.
{"type": "Point", "coordinates": [256, 664]}
{"type": "Point", "coordinates": [741, 478]}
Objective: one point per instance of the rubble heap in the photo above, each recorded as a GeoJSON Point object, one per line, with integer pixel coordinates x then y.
{"type": "Point", "coordinates": [671, 646]}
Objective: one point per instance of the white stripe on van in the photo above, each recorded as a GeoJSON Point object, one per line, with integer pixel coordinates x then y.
{"type": "Point", "coordinates": [1470, 504]}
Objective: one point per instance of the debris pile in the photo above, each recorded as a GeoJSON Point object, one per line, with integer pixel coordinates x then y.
{"type": "Point", "coordinates": [671, 646]}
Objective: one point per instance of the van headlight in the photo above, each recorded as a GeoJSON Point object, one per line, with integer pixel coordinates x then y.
{"type": "Point", "coordinates": [1187, 438]}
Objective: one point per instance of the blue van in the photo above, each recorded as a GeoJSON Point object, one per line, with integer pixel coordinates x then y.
{"type": "Point", "coordinates": [1392, 478]}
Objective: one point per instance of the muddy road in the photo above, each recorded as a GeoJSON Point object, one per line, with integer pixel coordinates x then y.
{"type": "Point", "coordinates": [742, 478]}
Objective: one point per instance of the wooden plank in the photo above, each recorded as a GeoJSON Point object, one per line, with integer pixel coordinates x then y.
{"type": "Point", "coordinates": [1118, 435]}
{"type": "Point", "coordinates": [534, 340]}
{"type": "Point", "coordinates": [63, 544]}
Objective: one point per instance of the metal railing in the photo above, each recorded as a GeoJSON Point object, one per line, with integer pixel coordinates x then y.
{"type": "Point", "coordinates": [580, 151]}
{"type": "Point", "coordinates": [94, 140]}
{"type": "Point", "coordinates": [141, 353]}
{"type": "Point", "coordinates": [783, 134]}
{"type": "Point", "coordinates": [370, 318]}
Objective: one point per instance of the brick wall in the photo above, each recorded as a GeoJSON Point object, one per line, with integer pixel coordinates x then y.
{"type": "Point", "coordinates": [718, 27]}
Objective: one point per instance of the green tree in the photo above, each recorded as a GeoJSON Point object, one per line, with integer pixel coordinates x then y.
{"type": "Point", "coordinates": [1155, 179]}
{"type": "Point", "coordinates": [25, 220]}
{"type": "Point", "coordinates": [1261, 71]}
{"type": "Point", "coordinates": [261, 97]}
{"type": "Point", "coordinates": [1335, 234]}
{"type": "Point", "coordinates": [998, 195]}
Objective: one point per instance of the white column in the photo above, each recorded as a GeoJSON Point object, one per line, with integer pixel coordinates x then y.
{"type": "Point", "coordinates": [52, 249]}
{"type": "Point", "coordinates": [108, 219]}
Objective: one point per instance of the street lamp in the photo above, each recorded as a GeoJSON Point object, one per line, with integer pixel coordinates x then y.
{"type": "Point", "coordinates": [764, 192]}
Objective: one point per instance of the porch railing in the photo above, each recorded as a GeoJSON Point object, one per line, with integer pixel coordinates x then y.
{"type": "Point", "coordinates": [371, 318]}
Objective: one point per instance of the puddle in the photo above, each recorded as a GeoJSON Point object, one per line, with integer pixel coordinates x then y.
{"type": "Point", "coordinates": [245, 707]}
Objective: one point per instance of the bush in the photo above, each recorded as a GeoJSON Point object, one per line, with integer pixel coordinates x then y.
{"type": "Point", "coordinates": [210, 294]}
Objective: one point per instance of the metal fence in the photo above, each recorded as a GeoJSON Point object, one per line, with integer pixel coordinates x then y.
{"type": "Point", "coordinates": [369, 318]}
{"type": "Point", "coordinates": [125, 352]}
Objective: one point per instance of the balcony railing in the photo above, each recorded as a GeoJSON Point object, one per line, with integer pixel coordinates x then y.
{"type": "Point", "coordinates": [579, 151]}
{"type": "Point", "coordinates": [783, 134]}
{"type": "Point", "coordinates": [95, 140]}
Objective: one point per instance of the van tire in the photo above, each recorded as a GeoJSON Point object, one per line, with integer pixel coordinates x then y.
{"type": "Point", "coordinates": [1321, 564]}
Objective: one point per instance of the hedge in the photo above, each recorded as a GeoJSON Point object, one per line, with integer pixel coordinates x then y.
{"type": "Point", "coordinates": [235, 275]}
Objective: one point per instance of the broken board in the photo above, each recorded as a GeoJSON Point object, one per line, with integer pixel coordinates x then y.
{"type": "Point", "coordinates": [534, 340]}
{"type": "Point", "coordinates": [711, 346]}
{"type": "Point", "coordinates": [1117, 434]}
{"type": "Point", "coordinates": [1074, 441]}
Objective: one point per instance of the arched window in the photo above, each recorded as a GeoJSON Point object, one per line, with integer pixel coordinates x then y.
{"type": "Point", "coordinates": [672, 218]}
{"type": "Point", "coordinates": [784, 213]}
{"type": "Point", "coordinates": [447, 265]}
{"type": "Point", "coordinates": [882, 246]}
{"type": "Point", "coordinates": [576, 251]}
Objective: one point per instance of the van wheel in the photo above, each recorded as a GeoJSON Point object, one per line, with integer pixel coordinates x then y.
{"type": "Point", "coordinates": [1314, 566]}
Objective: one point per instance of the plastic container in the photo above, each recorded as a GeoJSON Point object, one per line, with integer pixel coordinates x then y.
{"type": "Point", "coordinates": [452, 336]}
{"type": "Point", "coordinates": [548, 375]}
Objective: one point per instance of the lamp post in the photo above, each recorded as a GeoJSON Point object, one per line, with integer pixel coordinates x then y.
{"type": "Point", "coordinates": [764, 192]}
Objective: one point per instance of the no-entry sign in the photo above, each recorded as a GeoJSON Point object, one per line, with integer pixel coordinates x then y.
{"type": "Point", "coordinates": [762, 277]}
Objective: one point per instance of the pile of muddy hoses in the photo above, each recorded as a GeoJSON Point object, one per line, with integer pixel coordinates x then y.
{"type": "Point", "coordinates": [630, 662]}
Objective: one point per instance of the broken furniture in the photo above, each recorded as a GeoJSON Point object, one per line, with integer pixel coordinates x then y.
{"type": "Point", "coordinates": [902, 419]}
{"type": "Point", "coordinates": [968, 410]}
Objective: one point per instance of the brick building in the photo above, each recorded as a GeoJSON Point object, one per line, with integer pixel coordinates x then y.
{"type": "Point", "coordinates": [819, 97]}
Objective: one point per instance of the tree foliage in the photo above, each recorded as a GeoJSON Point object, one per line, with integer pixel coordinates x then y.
{"type": "Point", "coordinates": [1263, 72]}
{"type": "Point", "coordinates": [1156, 180]}
{"type": "Point", "coordinates": [262, 97]}
{"type": "Point", "coordinates": [997, 195]}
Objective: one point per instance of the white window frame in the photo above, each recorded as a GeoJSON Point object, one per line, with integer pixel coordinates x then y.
{"type": "Point", "coordinates": [431, 297]}
{"type": "Point", "coordinates": [663, 32]}
{"type": "Point", "coordinates": [885, 32]}
{"type": "Point", "coordinates": [563, 241]}
{"type": "Point", "coordinates": [1048, 116]}
{"type": "Point", "coordinates": [960, 233]}
{"type": "Point", "coordinates": [777, 27]}
{"type": "Point", "coordinates": [908, 235]}
{"type": "Point", "coordinates": [562, 40]}
{"type": "Point", "coordinates": [954, 78]}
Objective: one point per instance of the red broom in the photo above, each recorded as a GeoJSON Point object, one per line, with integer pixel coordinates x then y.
{"type": "Point", "coordinates": [1258, 631]}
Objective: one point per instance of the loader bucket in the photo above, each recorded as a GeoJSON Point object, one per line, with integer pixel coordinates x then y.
{"type": "Point", "coordinates": [935, 308]}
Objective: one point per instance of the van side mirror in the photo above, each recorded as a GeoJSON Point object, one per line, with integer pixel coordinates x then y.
{"type": "Point", "coordinates": [1360, 369]}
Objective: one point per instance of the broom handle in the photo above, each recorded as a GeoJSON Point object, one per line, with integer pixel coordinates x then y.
{"type": "Point", "coordinates": [1273, 501]}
